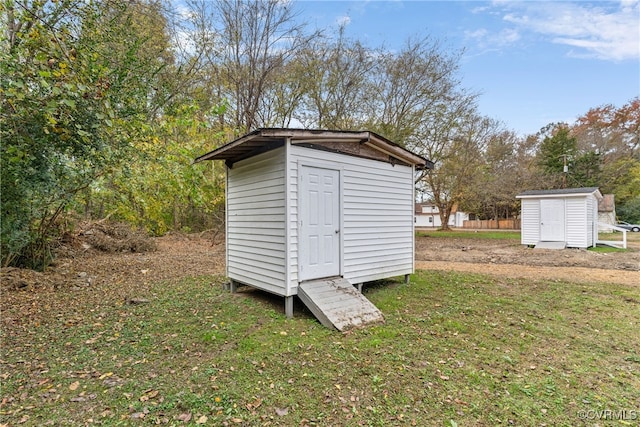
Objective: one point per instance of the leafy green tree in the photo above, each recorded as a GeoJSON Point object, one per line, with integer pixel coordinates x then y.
{"type": "Point", "coordinates": [585, 170]}
{"type": "Point", "coordinates": [71, 105]}
{"type": "Point", "coordinates": [627, 185]}
{"type": "Point", "coordinates": [630, 211]}
{"type": "Point", "coordinates": [161, 189]}
{"type": "Point", "coordinates": [504, 172]}
{"type": "Point", "coordinates": [557, 149]}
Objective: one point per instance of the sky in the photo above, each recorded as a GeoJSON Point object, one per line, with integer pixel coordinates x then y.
{"type": "Point", "coordinates": [531, 62]}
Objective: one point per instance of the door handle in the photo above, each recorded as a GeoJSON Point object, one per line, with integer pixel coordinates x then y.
{"type": "Point", "coordinates": [337, 231]}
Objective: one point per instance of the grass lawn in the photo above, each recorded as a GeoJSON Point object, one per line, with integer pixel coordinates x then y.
{"type": "Point", "coordinates": [456, 349]}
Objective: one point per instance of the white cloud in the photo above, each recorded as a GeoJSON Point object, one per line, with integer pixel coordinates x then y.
{"type": "Point", "coordinates": [343, 20]}
{"type": "Point", "coordinates": [183, 42]}
{"type": "Point", "coordinates": [183, 11]}
{"type": "Point", "coordinates": [491, 40]}
{"type": "Point", "coordinates": [478, 34]}
{"type": "Point", "coordinates": [509, 35]}
{"type": "Point", "coordinates": [605, 30]}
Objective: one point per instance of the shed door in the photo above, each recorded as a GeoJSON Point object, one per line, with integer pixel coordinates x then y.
{"type": "Point", "coordinates": [319, 210]}
{"type": "Point", "coordinates": [552, 220]}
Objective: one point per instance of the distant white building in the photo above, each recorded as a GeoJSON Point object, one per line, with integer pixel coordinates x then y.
{"type": "Point", "coordinates": [428, 215]}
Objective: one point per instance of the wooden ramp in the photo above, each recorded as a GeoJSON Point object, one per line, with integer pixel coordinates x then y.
{"type": "Point", "coordinates": [337, 304]}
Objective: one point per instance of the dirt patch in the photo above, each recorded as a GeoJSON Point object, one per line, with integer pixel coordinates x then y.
{"type": "Point", "coordinates": [509, 258]}
{"type": "Point", "coordinates": [123, 272]}
{"type": "Point", "coordinates": [114, 253]}
{"type": "Point", "coordinates": [568, 274]}
{"type": "Point", "coordinates": [84, 276]}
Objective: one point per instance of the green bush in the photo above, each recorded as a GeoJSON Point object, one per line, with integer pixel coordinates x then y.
{"type": "Point", "coordinates": [630, 211]}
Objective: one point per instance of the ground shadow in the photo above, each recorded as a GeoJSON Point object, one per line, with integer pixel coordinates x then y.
{"type": "Point", "coordinates": [276, 302]}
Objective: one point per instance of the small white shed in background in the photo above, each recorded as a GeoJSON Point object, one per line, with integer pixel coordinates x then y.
{"type": "Point", "coordinates": [318, 208]}
{"type": "Point", "coordinates": [560, 218]}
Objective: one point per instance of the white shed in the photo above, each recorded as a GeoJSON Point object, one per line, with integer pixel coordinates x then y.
{"type": "Point", "coordinates": [317, 208]}
{"type": "Point", "coordinates": [562, 218]}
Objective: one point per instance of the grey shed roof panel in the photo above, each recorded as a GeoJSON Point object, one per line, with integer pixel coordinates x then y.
{"type": "Point", "coordinates": [560, 192]}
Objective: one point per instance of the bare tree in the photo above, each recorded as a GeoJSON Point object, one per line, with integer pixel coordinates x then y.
{"type": "Point", "coordinates": [283, 98]}
{"type": "Point", "coordinates": [257, 38]}
{"type": "Point", "coordinates": [336, 80]}
{"type": "Point", "coordinates": [414, 98]}
{"type": "Point", "coordinates": [411, 89]}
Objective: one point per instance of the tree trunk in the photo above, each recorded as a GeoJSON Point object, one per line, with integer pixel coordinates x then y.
{"type": "Point", "coordinates": [444, 211]}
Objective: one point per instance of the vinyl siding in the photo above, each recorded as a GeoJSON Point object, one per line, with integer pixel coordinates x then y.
{"type": "Point", "coordinates": [530, 226]}
{"type": "Point", "coordinates": [592, 220]}
{"type": "Point", "coordinates": [256, 222]}
{"type": "Point", "coordinates": [377, 214]}
{"type": "Point", "coordinates": [576, 222]}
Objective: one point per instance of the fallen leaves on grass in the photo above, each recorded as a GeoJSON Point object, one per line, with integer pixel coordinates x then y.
{"type": "Point", "coordinates": [254, 405]}
{"type": "Point", "coordinates": [184, 417]}
{"type": "Point", "coordinates": [281, 412]}
{"type": "Point", "coordinates": [105, 375]}
{"type": "Point", "coordinates": [148, 394]}
{"type": "Point", "coordinates": [58, 339]}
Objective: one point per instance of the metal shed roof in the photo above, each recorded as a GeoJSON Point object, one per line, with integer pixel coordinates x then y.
{"type": "Point", "coordinates": [560, 192]}
{"type": "Point", "coordinates": [265, 139]}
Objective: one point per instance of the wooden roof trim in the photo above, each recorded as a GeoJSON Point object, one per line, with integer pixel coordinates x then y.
{"type": "Point", "coordinates": [300, 134]}
{"type": "Point", "coordinates": [244, 146]}
{"type": "Point", "coordinates": [219, 152]}
{"type": "Point", "coordinates": [398, 152]}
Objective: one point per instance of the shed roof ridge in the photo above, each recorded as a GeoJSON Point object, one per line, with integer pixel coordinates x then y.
{"type": "Point", "coordinates": [580, 190]}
